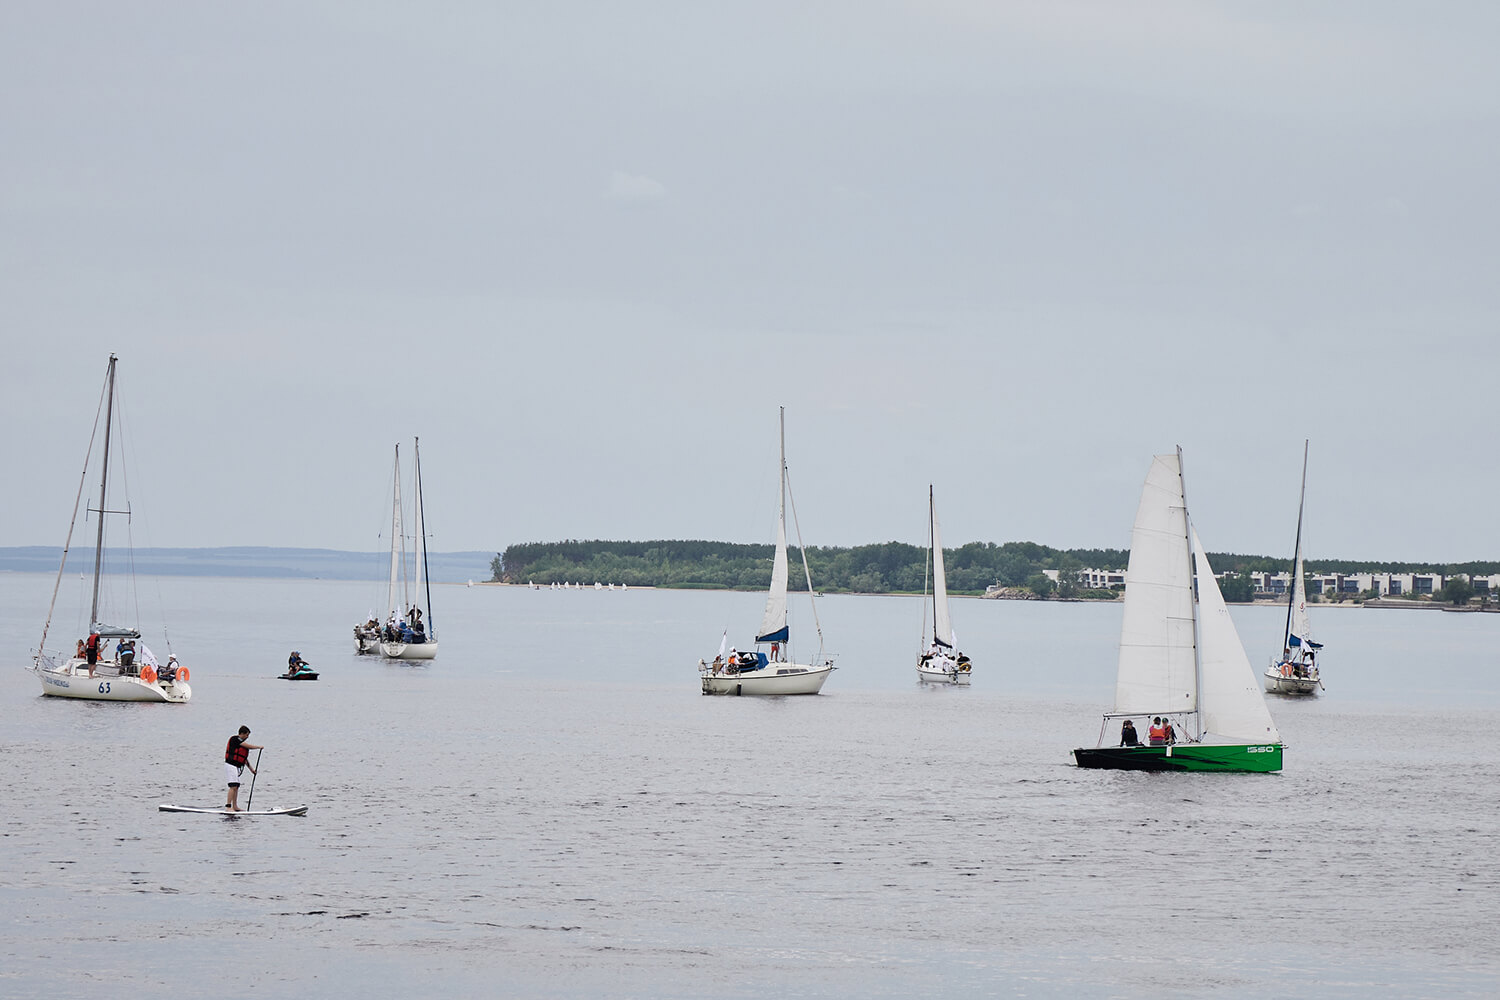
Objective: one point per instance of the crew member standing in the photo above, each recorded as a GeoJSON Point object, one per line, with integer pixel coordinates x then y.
{"type": "Point", "coordinates": [236, 759]}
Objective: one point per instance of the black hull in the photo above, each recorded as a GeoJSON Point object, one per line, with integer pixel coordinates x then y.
{"type": "Point", "coordinates": [309, 676]}
{"type": "Point", "coordinates": [1127, 759]}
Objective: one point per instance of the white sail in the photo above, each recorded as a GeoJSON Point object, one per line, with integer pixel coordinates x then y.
{"type": "Point", "coordinates": [1157, 671]}
{"type": "Point", "coordinates": [1232, 707]}
{"type": "Point", "coordinates": [773, 622]}
{"type": "Point", "coordinates": [942, 624]}
{"type": "Point", "coordinates": [1300, 633]}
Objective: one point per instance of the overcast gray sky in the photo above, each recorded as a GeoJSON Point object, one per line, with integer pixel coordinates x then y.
{"type": "Point", "coordinates": [585, 250]}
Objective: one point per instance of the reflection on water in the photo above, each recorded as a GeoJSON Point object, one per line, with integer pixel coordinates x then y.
{"type": "Point", "coordinates": [551, 809]}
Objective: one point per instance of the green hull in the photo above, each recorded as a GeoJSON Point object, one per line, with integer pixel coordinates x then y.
{"type": "Point", "coordinates": [1260, 757]}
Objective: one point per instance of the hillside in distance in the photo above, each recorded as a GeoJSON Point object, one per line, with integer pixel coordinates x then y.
{"type": "Point", "coordinates": [247, 561]}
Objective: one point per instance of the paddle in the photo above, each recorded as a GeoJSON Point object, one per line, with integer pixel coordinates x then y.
{"type": "Point", "coordinates": [253, 775]}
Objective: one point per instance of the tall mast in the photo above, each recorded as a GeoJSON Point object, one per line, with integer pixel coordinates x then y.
{"type": "Point", "coordinates": [424, 577]}
{"type": "Point", "coordinates": [931, 542]}
{"type": "Point", "coordinates": [1197, 646]}
{"type": "Point", "coordinates": [109, 409]}
{"type": "Point", "coordinates": [1291, 597]}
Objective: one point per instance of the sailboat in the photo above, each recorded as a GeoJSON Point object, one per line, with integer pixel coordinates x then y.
{"type": "Point", "coordinates": [940, 662]}
{"type": "Point", "coordinates": [1295, 671]}
{"type": "Point", "coordinates": [368, 634]}
{"type": "Point", "coordinates": [1182, 667]}
{"type": "Point", "coordinates": [410, 637]}
{"type": "Point", "coordinates": [132, 673]}
{"type": "Point", "coordinates": [773, 671]}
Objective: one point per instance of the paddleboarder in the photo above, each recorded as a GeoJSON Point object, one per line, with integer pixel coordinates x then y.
{"type": "Point", "coordinates": [236, 759]}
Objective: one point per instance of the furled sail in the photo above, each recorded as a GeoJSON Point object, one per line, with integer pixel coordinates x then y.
{"type": "Point", "coordinates": [1299, 633]}
{"type": "Point", "coordinates": [773, 627]}
{"type": "Point", "coordinates": [1157, 670]}
{"type": "Point", "coordinates": [1233, 709]}
{"type": "Point", "coordinates": [942, 624]}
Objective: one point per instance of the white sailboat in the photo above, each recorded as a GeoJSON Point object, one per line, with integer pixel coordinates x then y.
{"type": "Point", "coordinates": [411, 637]}
{"type": "Point", "coordinates": [940, 662]}
{"type": "Point", "coordinates": [1181, 661]}
{"type": "Point", "coordinates": [131, 673]}
{"type": "Point", "coordinates": [774, 671]}
{"type": "Point", "coordinates": [1295, 671]}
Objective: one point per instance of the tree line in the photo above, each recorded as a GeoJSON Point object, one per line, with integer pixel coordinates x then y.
{"type": "Point", "coordinates": [887, 567]}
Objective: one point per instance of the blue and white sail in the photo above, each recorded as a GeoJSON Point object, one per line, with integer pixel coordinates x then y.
{"type": "Point", "coordinates": [773, 624]}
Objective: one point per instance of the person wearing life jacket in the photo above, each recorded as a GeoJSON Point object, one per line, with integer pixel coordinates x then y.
{"type": "Point", "coordinates": [236, 759]}
{"type": "Point", "coordinates": [1169, 735]}
{"type": "Point", "coordinates": [1157, 734]}
{"type": "Point", "coordinates": [91, 651]}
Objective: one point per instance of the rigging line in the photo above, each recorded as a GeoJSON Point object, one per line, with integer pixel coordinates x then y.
{"type": "Point", "coordinates": [926, 574]}
{"type": "Point", "coordinates": [802, 550]}
{"type": "Point", "coordinates": [68, 542]}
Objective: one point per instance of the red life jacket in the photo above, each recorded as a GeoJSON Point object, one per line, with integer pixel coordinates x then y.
{"type": "Point", "coordinates": [235, 753]}
{"type": "Point", "coordinates": [1158, 732]}
{"type": "Point", "coordinates": [93, 642]}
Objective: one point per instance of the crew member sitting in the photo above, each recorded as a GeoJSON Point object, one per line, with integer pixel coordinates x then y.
{"type": "Point", "coordinates": [1157, 734]}
{"type": "Point", "coordinates": [1128, 738]}
{"type": "Point", "coordinates": [295, 662]}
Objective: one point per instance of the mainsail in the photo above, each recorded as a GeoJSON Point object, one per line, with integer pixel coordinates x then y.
{"type": "Point", "coordinates": [1298, 626]}
{"type": "Point", "coordinates": [1157, 671]}
{"type": "Point", "coordinates": [942, 624]}
{"type": "Point", "coordinates": [773, 626]}
{"type": "Point", "coordinates": [1233, 710]}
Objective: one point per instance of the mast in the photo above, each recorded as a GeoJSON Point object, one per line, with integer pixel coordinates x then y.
{"type": "Point", "coordinates": [1187, 525]}
{"type": "Point", "coordinates": [926, 577]}
{"type": "Point", "coordinates": [398, 551]}
{"type": "Point", "coordinates": [932, 554]}
{"type": "Point", "coordinates": [424, 578]}
{"type": "Point", "coordinates": [109, 410]}
{"type": "Point", "coordinates": [1296, 581]}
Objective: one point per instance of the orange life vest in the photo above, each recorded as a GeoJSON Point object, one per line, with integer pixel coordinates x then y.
{"type": "Point", "coordinates": [1158, 732]}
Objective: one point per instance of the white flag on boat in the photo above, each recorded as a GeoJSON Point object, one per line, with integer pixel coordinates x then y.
{"type": "Point", "coordinates": [148, 658]}
{"type": "Point", "coordinates": [723, 642]}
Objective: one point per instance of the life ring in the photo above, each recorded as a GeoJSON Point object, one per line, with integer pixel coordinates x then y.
{"type": "Point", "coordinates": [1286, 670]}
{"type": "Point", "coordinates": [182, 674]}
{"type": "Point", "coordinates": [148, 674]}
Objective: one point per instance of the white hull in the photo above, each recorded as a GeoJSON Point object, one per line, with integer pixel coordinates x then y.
{"type": "Point", "coordinates": [942, 672]}
{"type": "Point", "coordinates": [1278, 683]}
{"type": "Point", "coordinates": [774, 679]}
{"type": "Point", "coordinates": [72, 680]}
{"type": "Point", "coordinates": [409, 650]}
{"type": "Point", "coordinates": [366, 643]}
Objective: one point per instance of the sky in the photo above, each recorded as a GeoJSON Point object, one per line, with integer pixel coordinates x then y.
{"type": "Point", "coordinates": [585, 251]}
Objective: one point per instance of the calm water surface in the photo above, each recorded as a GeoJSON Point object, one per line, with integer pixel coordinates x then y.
{"type": "Point", "coordinates": [552, 810]}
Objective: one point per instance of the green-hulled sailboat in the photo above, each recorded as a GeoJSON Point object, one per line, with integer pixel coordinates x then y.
{"type": "Point", "coordinates": [1181, 659]}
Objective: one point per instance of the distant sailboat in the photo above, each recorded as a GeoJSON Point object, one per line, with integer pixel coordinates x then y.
{"type": "Point", "coordinates": [1181, 660]}
{"type": "Point", "coordinates": [1295, 671]}
{"type": "Point", "coordinates": [772, 672]}
{"type": "Point", "coordinates": [940, 662]}
{"type": "Point", "coordinates": [412, 637]}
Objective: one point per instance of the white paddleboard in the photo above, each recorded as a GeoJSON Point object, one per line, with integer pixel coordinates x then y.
{"type": "Point", "coordinates": [221, 811]}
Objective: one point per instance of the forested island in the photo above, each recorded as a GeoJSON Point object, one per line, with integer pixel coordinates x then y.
{"type": "Point", "coordinates": [884, 568]}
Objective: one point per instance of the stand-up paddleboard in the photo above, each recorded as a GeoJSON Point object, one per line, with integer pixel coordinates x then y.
{"type": "Point", "coordinates": [221, 811]}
